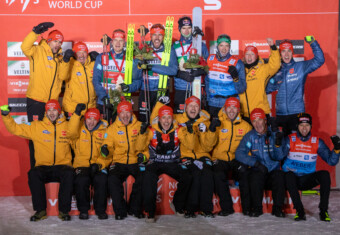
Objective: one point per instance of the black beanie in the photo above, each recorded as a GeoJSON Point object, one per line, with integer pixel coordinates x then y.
{"type": "Point", "coordinates": [184, 21]}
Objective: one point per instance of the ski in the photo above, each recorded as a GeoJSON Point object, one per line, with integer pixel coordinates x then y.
{"type": "Point", "coordinates": [197, 44]}
{"type": "Point", "coordinates": [163, 79]}
{"type": "Point", "coordinates": [129, 58]}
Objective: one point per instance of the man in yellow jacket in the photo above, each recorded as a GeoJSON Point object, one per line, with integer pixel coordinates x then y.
{"type": "Point", "coordinates": [258, 74]}
{"type": "Point", "coordinates": [120, 147]}
{"type": "Point", "coordinates": [48, 69]}
{"type": "Point", "coordinates": [79, 87]}
{"type": "Point", "coordinates": [87, 138]}
{"type": "Point", "coordinates": [164, 140]}
{"type": "Point", "coordinates": [52, 156]}
{"type": "Point", "coordinates": [225, 134]}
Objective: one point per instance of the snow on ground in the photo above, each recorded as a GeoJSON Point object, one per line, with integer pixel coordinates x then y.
{"type": "Point", "coordinates": [15, 213]}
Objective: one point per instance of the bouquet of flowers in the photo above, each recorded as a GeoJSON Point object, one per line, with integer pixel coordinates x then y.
{"type": "Point", "coordinates": [195, 61]}
{"type": "Point", "coordinates": [143, 51]}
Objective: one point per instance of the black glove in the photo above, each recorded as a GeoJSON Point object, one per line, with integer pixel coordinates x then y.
{"type": "Point", "coordinates": [108, 39]}
{"type": "Point", "coordinates": [261, 167]}
{"type": "Point", "coordinates": [107, 104]}
{"type": "Point", "coordinates": [143, 65]}
{"type": "Point", "coordinates": [273, 124]}
{"type": "Point", "coordinates": [278, 138]}
{"type": "Point", "coordinates": [67, 55]}
{"type": "Point", "coordinates": [5, 110]}
{"type": "Point", "coordinates": [197, 72]}
{"type": "Point", "coordinates": [189, 127]}
{"type": "Point", "coordinates": [42, 27]}
{"type": "Point", "coordinates": [335, 140]}
{"type": "Point", "coordinates": [93, 55]}
{"type": "Point", "coordinates": [233, 72]}
{"type": "Point", "coordinates": [94, 168]}
{"type": "Point", "coordinates": [197, 31]}
{"type": "Point", "coordinates": [164, 100]}
{"type": "Point", "coordinates": [104, 151]}
{"type": "Point", "coordinates": [185, 76]}
{"type": "Point", "coordinates": [143, 127]}
{"type": "Point", "coordinates": [79, 108]}
{"type": "Point", "coordinates": [141, 158]}
{"type": "Point", "coordinates": [215, 122]}
{"type": "Point", "coordinates": [125, 88]}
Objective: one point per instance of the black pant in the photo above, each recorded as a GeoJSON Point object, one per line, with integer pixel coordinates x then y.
{"type": "Point", "coordinates": [222, 171]}
{"type": "Point", "coordinates": [179, 100]}
{"type": "Point", "coordinates": [259, 181]}
{"type": "Point", "coordinates": [38, 176]}
{"type": "Point", "coordinates": [109, 116]}
{"type": "Point", "coordinates": [213, 111]}
{"type": "Point", "coordinates": [309, 181]}
{"type": "Point", "coordinates": [117, 175]}
{"type": "Point", "coordinates": [202, 187]}
{"type": "Point", "coordinates": [35, 111]}
{"type": "Point", "coordinates": [287, 122]}
{"type": "Point", "coordinates": [145, 109]}
{"type": "Point", "coordinates": [175, 171]}
{"type": "Point", "coordinates": [82, 182]}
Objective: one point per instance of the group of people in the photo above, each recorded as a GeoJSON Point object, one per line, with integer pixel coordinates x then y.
{"type": "Point", "coordinates": [234, 138]}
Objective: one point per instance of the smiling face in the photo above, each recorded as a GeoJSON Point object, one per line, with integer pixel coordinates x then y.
{"type": "Point", "coordinates": [192, 110]}
{"type": "Point", "coordinates": [223, 48]}
{"type": "Point", "coordinates": [52, 114]}
{"type": "Point", "coordinates": [118, 45]}
{"type": "Point", "coordinates": [166, 121]}
{"type": "Point", "coordinates": [91, 123]}
{"type": "Point", "coordinates": [304, 129]}
{"type": "Point", "coordinates": [260, 125]}
{"type": "Point", "coordinates": [55, 46]}
{"type": "Point", "coordinates": [231, 112]}
{"type": "Point", "coordinates": [125, 117]}
{"type": "Point", "coordinates": [286, 55]}
{"type": "Point", "coordinates": [81, 56]}
{"type": "Point", "coordinates": [157, 39]}
{"type": "Point", "coordinates": [250, 57]}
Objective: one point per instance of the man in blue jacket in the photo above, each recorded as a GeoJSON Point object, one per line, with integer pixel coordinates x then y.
{"type": "Point", "coordinates": [148, 84]}
{"type": "Point", "coordinates": [263, 172]}
{"type": "Point", "coordinates": [300, 151]}
{"type": "Point", "coordinates": [290, 83]}
{"type": "Point", "coordinates": [183, 79]}
{"type": "Point", "coordinates": [226, 76]}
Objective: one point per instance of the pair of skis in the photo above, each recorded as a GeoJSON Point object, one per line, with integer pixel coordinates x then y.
{"type": "Point", "coordinates": [129, 58]}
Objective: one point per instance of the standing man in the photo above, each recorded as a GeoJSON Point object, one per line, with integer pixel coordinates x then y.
{"type": "Point", "coordinates": [48, 69]}
{"type": "Point", "coordinates": [183, 79]}
{"type": "Point", "coordinates": [290, 83]}
{"type": "Point", "coordinates": [79, 88]}
{"type": "Point", "coordinates": [120, 147]}
{"type": "Point", "coordinates": [299, 152]}
{"type": "Point", "coordinates": [257, 76]}
{"type": "Point", "coordinates": [226, 134]}
{"type": "Point", "coordinates": [52, 158]}
{"type": "Point", "coordinates": [226, 76]}
{"type": "Point", "coordinates": [264, 172]}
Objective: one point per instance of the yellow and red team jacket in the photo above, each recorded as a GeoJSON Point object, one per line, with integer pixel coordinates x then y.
{"type": "Point", "coordinates": [51, 142]}
{"type": "Point", "coordinates": [79, 88]}
{"type": "Point", "coordinates": [257, 78]}
{"type": "Point", "coordinates": [86, 144]}
{"type": "Point", "coordinates": [47, 71]}
{"type": "Point", "coordinates": [227, 137]}
{"type": "Point", "coordinates": [121, 141]}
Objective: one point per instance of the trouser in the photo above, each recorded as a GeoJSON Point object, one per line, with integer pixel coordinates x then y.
{"type": "Point", "coordinates": [109, 116]}
{"type": "Point", "coordinates": [38, 176]}
{"type": "Point", "coordinates": [145, 106]}
{"type": "Point", "coordinates": [213, 111]}
{"type": "Point", "coordinates": [287, 122]}
{"type": "Point", "coordinates": [83, 180]}
{"type": "Point", "coordinates": [259, 181]}
{"type": "Point", "coordinates": [174, 170]}
{"type": "Point", "coordinates": [35, 111]}
{"type": "Point", "coordinates": [179, 100]}
{"type": "Point", "coordinates": [309, 181]}
{"type": "Point", "coordinates": [117, 175]}
{"type": "Point", "coordinates": [201, 190]}
{"type": "Point", "coordinates": [222, 170]}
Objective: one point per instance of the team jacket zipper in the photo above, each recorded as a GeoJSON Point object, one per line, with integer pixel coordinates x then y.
{"type": "Point", "coordinates": [55, 73]}
{"type": "Point", "coordinates": [127, 137]}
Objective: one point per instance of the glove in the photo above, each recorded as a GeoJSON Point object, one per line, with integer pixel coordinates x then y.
{"type": "Point", "coordinates": [233, 72]}
{"type": "Point", "coordinates": [164, 100]}
{"type": "Point", "coordinates": [261, 167]}
{"type": "Point", "coordinates": [189, 127]}
{"type": "Point", "coordinates": [93, 55]}
{"type": "Point", "coordinates": [335, 140]}
{"type": "Point", "coordinates": [104, 151]}
{"type": "Point", "coordinates": [272, 123]}
{"type": "Point", "coordinates": [94, 168]}
{"type": "Point", "coordinates": [186, 161]}
{"type": "Point", "coordinates": [202, 127]}
{"type": "Point", "coordinates": [146, 30]}
{"type": "Point", "coordinates": [42, 27]}
{"type": "Point", "coordinates": [67, 55]}
{"type": "Point", "coordinates": [108, 39]}
{"type": "Point", "coordinates": [197, 72]}
{"type": "Point", "coordinates": [197, 31]}
{"type": "Point", "coordinates": [141, 158]}
{"type": "Point", "coordinates": [5, 110]}
{"type": "Point", "coordinates": [309, 39]}
{"type": "Point", "coordinates": [278, 138]}
{"type": "Point", "coordinates": [79, 108]}
{"type": "Point", "coordinates": [143, 127]}
{"type": "Point", "coordinates": [125, 88]}
{"type": "Point", "coordinates": [145, 66]}
{"type": "Point", "coordinates": [107, 104]}
{"type": "Point", "coordinates": [186, 76]}
{"type": "Point", "coordinates": [215, 122]}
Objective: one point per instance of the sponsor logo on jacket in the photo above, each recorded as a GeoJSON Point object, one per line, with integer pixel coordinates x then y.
{"type": "Point", "coordinates": [120, 132]}
{"type": "Point", "coordinates": [46, 132]}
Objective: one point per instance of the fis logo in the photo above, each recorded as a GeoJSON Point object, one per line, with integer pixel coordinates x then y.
{"type": "Point", "coordinates": [23, 2]}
